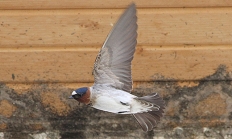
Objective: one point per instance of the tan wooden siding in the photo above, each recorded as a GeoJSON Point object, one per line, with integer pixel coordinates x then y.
{"type": "Point", "coordinates": [89, 27]}
{"type": "Point", "coordinates": [72, 4]}
{"type": "Point", "coordinates": [150, 63]}
{"type": "Point", "coordinates": [61, 45]}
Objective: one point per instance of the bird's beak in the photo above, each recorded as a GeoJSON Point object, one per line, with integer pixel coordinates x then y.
{"type": "Point", "coordinates": [71, 97]}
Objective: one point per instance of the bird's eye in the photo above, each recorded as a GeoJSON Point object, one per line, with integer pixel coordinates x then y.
{"type": "Point", "coordinates": [77, 96]}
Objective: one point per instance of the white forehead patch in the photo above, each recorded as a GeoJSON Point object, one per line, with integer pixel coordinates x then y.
{"type": "Point", "coordinates": [74, 93]}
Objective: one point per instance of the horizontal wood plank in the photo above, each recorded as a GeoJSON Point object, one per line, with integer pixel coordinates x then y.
{"type": "Point", "coordinates": [67, 4]}
{"type": "Point", "coordinates": [166, 63]}
{"type": "Point", "coordinates": [89, 27]}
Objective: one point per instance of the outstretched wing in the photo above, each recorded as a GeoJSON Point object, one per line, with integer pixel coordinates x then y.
{"type": "Point", "coordinates": [113, 63]}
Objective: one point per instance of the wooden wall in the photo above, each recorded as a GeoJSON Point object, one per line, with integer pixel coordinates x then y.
{"type": "Point", "coordinates": [48, 46]}
{"type": "Point", "coordinates": [58, 41]}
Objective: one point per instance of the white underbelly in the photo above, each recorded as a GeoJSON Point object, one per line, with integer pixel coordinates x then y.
{"type": "Point", "coordinates": [110, 104]}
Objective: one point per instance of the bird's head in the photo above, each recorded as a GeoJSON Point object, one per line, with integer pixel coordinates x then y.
{"type": "Point", "coordinates": [81, 95]}
{"type": "Point", "coordinates": [78, 93]}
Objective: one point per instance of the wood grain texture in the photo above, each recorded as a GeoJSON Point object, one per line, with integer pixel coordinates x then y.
{"type": "Point", "coordinates": [89, 27]}
{"type": "Point", "coordinates": [166, 63]}
{"type": "Point", "coordinates": [71, 4]}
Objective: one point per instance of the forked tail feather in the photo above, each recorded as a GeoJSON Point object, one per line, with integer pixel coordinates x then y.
{"type": "Point", "coordinates": [148, 120]}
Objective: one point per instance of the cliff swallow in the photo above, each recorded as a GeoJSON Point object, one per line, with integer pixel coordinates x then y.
{"type": "Point", "coordinates": [112, 86]}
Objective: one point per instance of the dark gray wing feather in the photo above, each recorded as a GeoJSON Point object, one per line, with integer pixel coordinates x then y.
{"type": "Point", "coordinates": [113, 63]}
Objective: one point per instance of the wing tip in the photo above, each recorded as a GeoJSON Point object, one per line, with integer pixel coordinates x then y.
{"type": "Point", "coordinates": [130, 8]}
{"type": "Point", "coordinates": [132, 4]}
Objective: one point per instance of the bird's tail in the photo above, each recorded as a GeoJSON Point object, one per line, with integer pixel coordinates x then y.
{"type": "Point", "coordinates": [148, 120]}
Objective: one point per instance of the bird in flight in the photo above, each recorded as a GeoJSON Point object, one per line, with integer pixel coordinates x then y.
{"type": "Point", "coordinates": [111, 91]}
